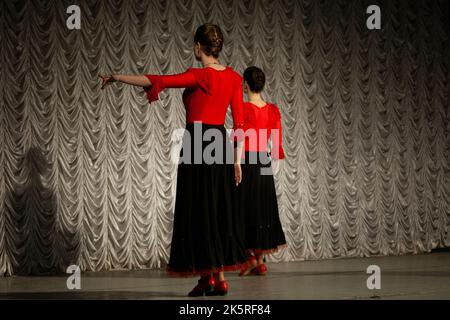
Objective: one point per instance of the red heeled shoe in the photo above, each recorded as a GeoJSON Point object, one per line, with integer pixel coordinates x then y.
{"type": "Point", "coordinates": [248, 266]}
{"type": "Point", "coordinates": [204, 286]}
{"type": "Point", "coordinates": [259, 270]}
{"type": "Point", "coordinates": [220, 289]}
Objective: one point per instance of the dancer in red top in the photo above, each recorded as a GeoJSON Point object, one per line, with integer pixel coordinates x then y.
{"type": "Point", "coordinates": [206, 238]}
{"type": "Point", "coordinates": [257, 199]}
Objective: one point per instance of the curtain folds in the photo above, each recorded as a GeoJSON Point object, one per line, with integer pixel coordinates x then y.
{"type": "Point", "coordinates": [86, 176]}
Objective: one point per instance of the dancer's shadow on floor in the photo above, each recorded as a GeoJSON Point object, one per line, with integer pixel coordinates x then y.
{"type": "Point", "coordinates": [40, 242]}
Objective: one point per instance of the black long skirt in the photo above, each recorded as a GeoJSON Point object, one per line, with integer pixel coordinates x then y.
{"type": "Point", "coordinates": [206, 235]}
{"type": "Point", "coordinates": [257, 202]}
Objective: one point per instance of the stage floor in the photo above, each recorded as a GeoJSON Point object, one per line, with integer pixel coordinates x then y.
{"type": "Point", "coordinates": [425, 276]}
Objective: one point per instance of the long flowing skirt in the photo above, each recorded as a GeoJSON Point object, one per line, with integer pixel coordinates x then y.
{"type": "Point", "coordinates": [206, 235]}
{"type": "Point", "coordinates": [257, 202]}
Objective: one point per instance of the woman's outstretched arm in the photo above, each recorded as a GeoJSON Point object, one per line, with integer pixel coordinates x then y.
{"type": "Point", "coordinates": [140, 81]}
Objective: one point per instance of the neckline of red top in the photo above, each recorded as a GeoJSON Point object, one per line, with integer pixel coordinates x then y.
{"type": "Point", "coordinates": [226, 68]}
{"type": "Point", "coordinates": [258, 106]}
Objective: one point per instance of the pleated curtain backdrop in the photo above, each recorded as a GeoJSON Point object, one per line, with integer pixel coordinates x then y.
{"type": "Point", "coordinates": [86, 176]}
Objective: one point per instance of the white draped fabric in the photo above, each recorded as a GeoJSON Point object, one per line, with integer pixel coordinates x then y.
{"type": "Point", "coordinates": [86, 176]}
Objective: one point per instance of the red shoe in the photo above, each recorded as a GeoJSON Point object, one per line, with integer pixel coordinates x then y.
{"type": "Point", "coordinates": [259, 270]}
{"type": "Point", "coordinates": [220, 289]}
{"type": "Point", "coordinates": [204, 286]}
{"type": "Point", "coordinates": [248, 266]}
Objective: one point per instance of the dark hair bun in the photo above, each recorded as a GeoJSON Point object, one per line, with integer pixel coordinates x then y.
{"type": "Point", "coordinates": [210, 38]}
{"type": "Point", "coordinates": [255, 78]}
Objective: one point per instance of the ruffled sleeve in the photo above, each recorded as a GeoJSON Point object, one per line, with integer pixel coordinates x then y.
{"type": "Point", "coordinates": [156, 87]}
{"type": "Point", "coordinates": [160, 82]}
{"type": "Point", "coordinates": [277, 151]}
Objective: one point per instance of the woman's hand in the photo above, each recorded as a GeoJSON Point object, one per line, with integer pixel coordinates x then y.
{"type": "Point", "coordinates": [237, 173]}
{"type": "Point", "coordinates": [107, 79]}
{"type": "Point", "coordinates": [237, 161]}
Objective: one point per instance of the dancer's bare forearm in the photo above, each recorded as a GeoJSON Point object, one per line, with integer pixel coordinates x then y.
{"type": "Point", "coordinates": [140, 81]}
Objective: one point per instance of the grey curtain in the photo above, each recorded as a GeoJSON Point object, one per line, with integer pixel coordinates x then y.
{"type": "Point", "coordinates": [86, 176]}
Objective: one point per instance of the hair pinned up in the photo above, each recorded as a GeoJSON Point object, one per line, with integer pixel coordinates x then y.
{"type": "Point", "coordinates": [210, 38]}
{"type": "Point", "coordinates": [255, 78]}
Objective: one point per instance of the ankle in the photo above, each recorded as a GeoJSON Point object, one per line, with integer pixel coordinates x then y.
{"type": "Point", "coordinates": [252, 260]}
{"type": "Point", "coordinates": [260, 259]}
{"type": "Point", "coordinates": [219, 276]}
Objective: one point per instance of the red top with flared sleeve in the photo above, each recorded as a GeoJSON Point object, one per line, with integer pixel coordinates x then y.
{"type": "Point", "coordinates": [208, 94]}
{"type": "Point", "coordinates": [259, 124]}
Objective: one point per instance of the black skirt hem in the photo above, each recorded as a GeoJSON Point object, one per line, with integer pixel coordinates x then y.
{"type": "Point", "coordinates": [267, 251]}
{"type": "Point", "coordinates": [195, 272]}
